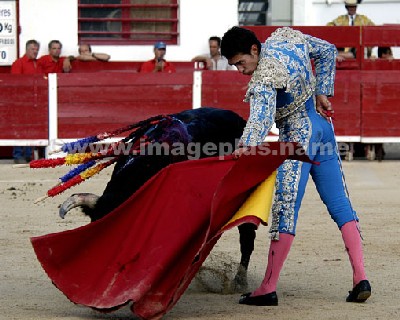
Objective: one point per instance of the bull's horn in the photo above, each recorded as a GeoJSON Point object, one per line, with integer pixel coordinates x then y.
{"type": "Point", "coordinates": [78, 200]}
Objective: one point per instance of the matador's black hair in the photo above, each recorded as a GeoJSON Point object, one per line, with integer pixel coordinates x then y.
{"type": "Point", "coordinates": [238, 40]}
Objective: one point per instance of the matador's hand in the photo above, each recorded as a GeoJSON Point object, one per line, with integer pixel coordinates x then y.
{"type": "Point", "coordinates": [239, 151]}
{"type": "Point", "coordinates": [324, 107]}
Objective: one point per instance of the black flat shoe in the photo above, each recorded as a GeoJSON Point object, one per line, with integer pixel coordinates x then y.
{"type": "Point", "coordinates": [269, 299]}
{"type": "Point", "coordinates": [360, 293]}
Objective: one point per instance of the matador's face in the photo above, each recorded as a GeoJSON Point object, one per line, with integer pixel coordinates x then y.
{"type": "Point", "coordinates": [246, 63]}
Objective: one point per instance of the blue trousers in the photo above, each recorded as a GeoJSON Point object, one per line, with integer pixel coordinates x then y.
{"type": "Point", "coordinates": [22, 152]}
{"type": "Point", "coordinates": [316, 136]}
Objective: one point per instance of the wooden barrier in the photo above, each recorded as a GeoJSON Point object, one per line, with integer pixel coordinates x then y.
{"type": "Point", "coordinates": [100, 96]}
{"type": "Point", "coordinates": [113, 66]}
{"type": "Point", "coordinates": [380, 112]}
{"type": "Point", "coordinates": [225, 89]}
{"type": "Point", "coordinates": [23, 107]}
{"type": "Point", "coordinates": [122, 66]}
{"type": "Point", "coordinates": [365, 104]}
{"type": "Point", "coordinates": [347, 105]}
{"type": "Point", "coordinates": [384, 36]}
{"type": "Point", "coordinates": [5, 69]}
{"type": "Point", "coordinates": [89, 103]}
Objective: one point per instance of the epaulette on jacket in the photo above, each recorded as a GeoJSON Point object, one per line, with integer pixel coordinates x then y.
{"type": "Point", "coordinates": [289, 35]}
{"type": "Point", "coordinates": [270, 71]}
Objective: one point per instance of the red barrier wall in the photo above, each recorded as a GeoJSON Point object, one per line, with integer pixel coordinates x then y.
{"type": "Point", "coordinates": [380, 109]}
{"type": "Point", "coordinates": [122, 66]}
{"type": "Point", "coordinates": [339, 35]}
{"type": "Point", "coordinates": [347, 103]}
{"type": "Point", "coordinates": [113, 66]}
{"type": "Point", "coordinates": [89, 103]}
{"type": "Point", "coordinates": [366, 105]}
{"type": "Point", "coordinates": [5, 69]}
{"type": "Point", "coordinates": [225, 89]}
{"type": "Point", "coordinates": [23, 107]}
{"type": "Point", "coordinates": [100, 96]}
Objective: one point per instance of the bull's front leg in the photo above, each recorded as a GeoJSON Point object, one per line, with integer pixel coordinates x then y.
{"type": "Point", "coordinates": [247, 232]}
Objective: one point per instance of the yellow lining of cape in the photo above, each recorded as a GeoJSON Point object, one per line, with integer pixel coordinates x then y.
{"type": "Point", "coordinates": [259, 202]}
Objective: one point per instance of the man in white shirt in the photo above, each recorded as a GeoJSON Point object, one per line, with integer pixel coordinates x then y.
{"type": "Point", "coordinates": [214, 60]}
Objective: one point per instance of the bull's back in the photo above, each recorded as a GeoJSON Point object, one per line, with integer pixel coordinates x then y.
{"type": "Point", "coordinates": [212, 125]}
{"type": "Point", "coordinates": [204, 125]}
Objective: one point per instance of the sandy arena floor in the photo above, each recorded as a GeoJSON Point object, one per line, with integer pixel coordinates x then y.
{"type": "Point", "coordinates": [314, 282]}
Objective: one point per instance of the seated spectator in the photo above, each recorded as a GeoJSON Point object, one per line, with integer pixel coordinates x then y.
{"type": "Point", "coordinates": [385, 53]}
{"type": "Point", "coordinates": [158, 64]}
{"type": "Point", "coordinates": [344, 54]}
{"type": "Point", "coordinates": [214, 60]}
{"type": "Point", "coordinates": [53, 62]}
{"type": "Point", "coordinates": [28, 64]}
{"type": "Point", "coordinates": [86, 54]}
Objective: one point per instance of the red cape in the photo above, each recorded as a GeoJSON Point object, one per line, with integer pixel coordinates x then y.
{"type": "Point", "coordinates": [149, 248]}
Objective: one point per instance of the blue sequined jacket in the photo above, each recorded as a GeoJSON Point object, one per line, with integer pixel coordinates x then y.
{"type": "Point", "coordinates": [284, 79]}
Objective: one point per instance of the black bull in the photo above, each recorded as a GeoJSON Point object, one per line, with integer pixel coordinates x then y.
{"type": "Point", "coordinates": [197, 128]}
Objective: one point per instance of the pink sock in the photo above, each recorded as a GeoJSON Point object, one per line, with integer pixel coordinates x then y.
{"type": "Point", "coordinates": [278, 252]}
{"type": "Point", "coordinates": [352, 242]}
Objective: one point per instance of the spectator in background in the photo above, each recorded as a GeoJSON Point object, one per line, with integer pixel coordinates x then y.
{"type": "Point", "coordinates": [385, 53]}
{"type": "Point", "coordinates": [86, 54]}
{"type": "Point", "coordinates": [343, 54]}
{"type": "Point", "coordinates": [352, 19]}
{"type": "Point", "coordinates": [158, 64]}
{"type": "Point", "coordinates": [214, 60]}
{"type": "Point", "coordinates": [28, 64]}
{"type": "Point", "coordinates": [53, 62]}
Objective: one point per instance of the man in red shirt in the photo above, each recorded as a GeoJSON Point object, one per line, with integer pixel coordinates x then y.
{"type": "Point", "coordinates": [158, 64]}
{"type": "Point", "coordinates": [52, 62]}
{"type": "Point", "coordinates": [28, 64]}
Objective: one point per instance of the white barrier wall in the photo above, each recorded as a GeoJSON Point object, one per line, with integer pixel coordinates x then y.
{"type": "Point", "coordinates": [45, 20]}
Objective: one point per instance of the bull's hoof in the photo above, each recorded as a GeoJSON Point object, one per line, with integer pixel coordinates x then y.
{"type": "Point", "coordinates": [239, 283]}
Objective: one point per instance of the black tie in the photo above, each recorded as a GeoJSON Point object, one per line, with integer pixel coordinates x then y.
{"type": "Point", "coordinates": [352, 20]}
